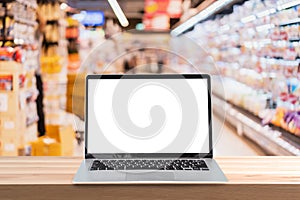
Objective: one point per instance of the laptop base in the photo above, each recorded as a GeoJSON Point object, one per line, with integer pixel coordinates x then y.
{"type": "Point", "coordinates": [85, 176]}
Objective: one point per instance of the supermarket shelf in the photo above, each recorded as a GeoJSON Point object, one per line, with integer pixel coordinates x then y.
{"type": "Point", "coordinates": [25, 21]}
{"type": "Point", "coordinates": [276, 43]}
{"type": "Point", "coordinates": [269, 59]}
{"type": "Point", "coordinates": [291, 22]}
{"type": "Point", "coordinates": [293, 139]}
{"type": "Point", "coordinates": [46, 43]}
{"type": "Point", "coordinates": [8, 15]}
{"type": "Point", "coordinates": [7, 1]}
{"type": "Point", "coordinates": [52, 22]}
{"type": "Point", "coordinates": [212, 9]}
{"type": "Point", "coordinates": [218, 6]}
{"type": "Point", "coordinates": [21, 20]}
{"type": "Point", "coordinates": [7, 39]}
{"type": "Point", "coordinates": [73, 26]}
{"type": "Point", "coordinates": [273, 11]}
{"type": "Point", "coordinates": [275, 141]}
{"type": "Point", "coordinates": [28, 3]}
{"type": "Point", "coordinates": [16, 41]}
{"type": "Point", "coordinates": [289, 4]}
{"type": "Point", "coordinates": [294, 39]}
{"type": "Point", "coordinates": [72, 38]}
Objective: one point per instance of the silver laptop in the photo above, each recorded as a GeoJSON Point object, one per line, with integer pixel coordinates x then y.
{"type": "Point", "coordinates": [148, 129]}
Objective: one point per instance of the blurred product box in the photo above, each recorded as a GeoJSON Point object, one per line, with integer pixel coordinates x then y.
{"type": "Point", "coordinates": [76, 93]}
{"type": "Point", "coordinates": [74, 57]}
{"type": "Point", "coordinates": [51, 64]}
{"type": "Point", "coordinates": [58, 141]}
{"type": "Point", "coordinates": [72, 32]}
{"type": "Point", "coordinates": [45, 146]}
{"type": "Point", "coordinates": [64, 135]}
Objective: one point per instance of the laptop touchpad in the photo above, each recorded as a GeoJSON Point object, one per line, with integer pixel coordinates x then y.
{"type": "Point", "coordinates": [150, 176]}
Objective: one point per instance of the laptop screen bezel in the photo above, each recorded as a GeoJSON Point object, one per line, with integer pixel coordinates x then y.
{"type": "Point", "coordinates": [149, 155]}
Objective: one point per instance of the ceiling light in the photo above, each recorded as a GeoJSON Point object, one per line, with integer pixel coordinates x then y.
{"type": "Point", "coordinates": [118, 12]}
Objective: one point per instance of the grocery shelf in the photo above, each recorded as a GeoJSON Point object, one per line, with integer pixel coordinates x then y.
{"type": "Point", "coordinates": [25, 21]}
{"type": "Point", "coordinates": [294, 39]}
{"type": "Point", "coordinates": [218, 6]}
{"type": "Point", "coordinates": [52, 22]}
{"type": "Point", "coordinates": [248, 54]}
{"type": "Point", "coordinates": [273, 140]}
{"type": "Point", "coordinates": [213, 9]}
{"type": "Point", "coordinates": [7, 1]}
{"type": "Point", "coordinates": [28, 3]}
{"type": "Point", "coordinates": [272, 11]}
{"type": "Point", "coordinates": [291, 22]}
{"type": "Point", "coordinates": [293, 139]}
{"type": "Point", "coordinates": [20, 20]}
{"type": "Point", "coordinates": [8, 39]}
{"type": "Point", "coordinates": [51, 43]}
{"type": "Point", "coordinates": [282, 60]}
{"type": "Point", "coordinates": [288, 4]}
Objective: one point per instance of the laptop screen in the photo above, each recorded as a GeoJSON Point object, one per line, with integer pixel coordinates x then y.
{"type": "Point", "coordinates": [147, 115]}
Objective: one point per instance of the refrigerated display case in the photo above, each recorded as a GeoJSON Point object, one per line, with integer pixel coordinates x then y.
{"type": "Point", "coordinates": [257, 50]}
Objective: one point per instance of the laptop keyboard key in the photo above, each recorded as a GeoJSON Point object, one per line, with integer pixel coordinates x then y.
{"type": "Point", "coordinates": [149, 165]}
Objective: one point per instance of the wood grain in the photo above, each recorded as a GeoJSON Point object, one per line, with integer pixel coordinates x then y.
{"type": "Point", "coordinates": [51, 178]}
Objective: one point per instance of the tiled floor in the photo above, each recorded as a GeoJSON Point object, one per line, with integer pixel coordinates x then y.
{"type": "Point", "coordinates": [229, 143]}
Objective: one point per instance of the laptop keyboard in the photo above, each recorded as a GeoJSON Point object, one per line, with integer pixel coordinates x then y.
{"type": "Point", "coordinates": [149, 165]}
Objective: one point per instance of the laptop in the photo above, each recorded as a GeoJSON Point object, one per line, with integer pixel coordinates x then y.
{"type": "Point", "coordinates": [148, 129]}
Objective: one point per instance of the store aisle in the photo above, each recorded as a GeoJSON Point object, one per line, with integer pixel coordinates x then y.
{"type": "Point", "coordinates": [230, 144]}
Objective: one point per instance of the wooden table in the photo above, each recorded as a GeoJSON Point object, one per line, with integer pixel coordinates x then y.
{"type": "Point", "coordinates": [249, 178]}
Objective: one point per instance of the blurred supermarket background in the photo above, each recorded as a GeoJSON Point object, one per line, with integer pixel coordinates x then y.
{"type": "Point", "coordinates": [250, 47]}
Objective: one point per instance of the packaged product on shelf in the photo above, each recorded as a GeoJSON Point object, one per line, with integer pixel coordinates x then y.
{"type": "Point", "coordinates": [6, 82]}
{"type": "Point", "coordinates": [11, 54]}
{"type": "Point", "coordinates": [18, 56]}
{"type": "Point", "coordinates": [292, 122]}
{"type": "Point", "coordinates": [65, 135]}
{"type": "Point", "coordinates": [51, 64]}
{"type": "Point", "coordinates": [54, 62]}
{"type": "Point", "coordinates": [45, 146]}
{"type": "Point", "coordinates": [20, 21]}
{"type": "Point", "coordinates": [256, 48]}
{"type": "Point", "coordinates": [51, 33]}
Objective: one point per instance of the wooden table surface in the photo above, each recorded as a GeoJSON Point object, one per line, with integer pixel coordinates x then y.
{"type": "Point", "coordinates": [51, 178]}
